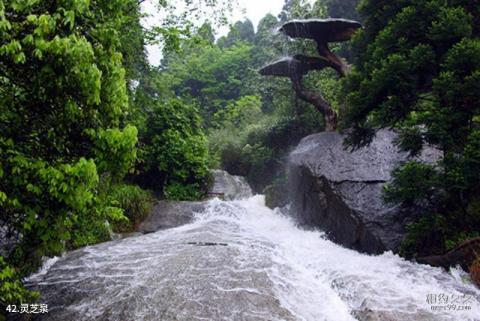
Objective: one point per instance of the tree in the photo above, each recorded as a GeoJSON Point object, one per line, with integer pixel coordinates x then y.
{"type": "Point", "coordinates": [63, 106]}
{"type": "Point", "coordinates": [208, 75]}
{"type": "Point", "coordinates": [206, 33]}
{"type": "Point", "coordinates": [240, 31]}
{"type": "Point", "coordinates": [302, 9]}
{"type": "Point", "coordinates": [63, 100]}
{"type": "Point", "coordinates": [74, 82]}
{"type": "Point", "coordinates": [343, 9]}
{"type": "Point", "coordinates": [176, 148]}
{"type": "Point", "coordinates": [265, 30]}
{"type": "Point", "coordinates": [418, 74]}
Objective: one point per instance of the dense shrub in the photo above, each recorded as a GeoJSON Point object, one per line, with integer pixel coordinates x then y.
{"type": "Point", "coordinates": [11, 288]}
{"type": "Point", "coordinates": [251, 143]}
{"type": "Point", "coordinates": [418, 71]}
{"type": "Point", "coordinates": [135, 203]}
{"type": "Point", "coordinates": [63, 102]}
{"type": "Point", "coordinates": [176, 151]}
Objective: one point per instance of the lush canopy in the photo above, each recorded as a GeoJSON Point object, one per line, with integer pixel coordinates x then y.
{"type": "Point", "coordinates": [417, 72]}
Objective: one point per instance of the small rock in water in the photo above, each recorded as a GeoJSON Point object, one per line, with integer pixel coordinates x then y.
{"type": "Point", "coordinates": [170, 214]}
{"type": "Point", "coordinates": [229, 187]}
{"type": "Point", "coordinates": [371, 315]}
{"type": "Point", "coordinates": [166, 214]}
{"type": "Point", "coordinates": [207, 244]}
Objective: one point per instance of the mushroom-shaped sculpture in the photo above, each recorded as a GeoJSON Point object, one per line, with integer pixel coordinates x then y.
{"type": "Point", "coordinates": [324, 31]}
{"type": "Point", "coordinates": [295, 67]}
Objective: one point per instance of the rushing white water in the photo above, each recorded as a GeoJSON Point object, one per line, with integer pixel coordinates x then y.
{"type": "Point", "coordinates": [240, 260]}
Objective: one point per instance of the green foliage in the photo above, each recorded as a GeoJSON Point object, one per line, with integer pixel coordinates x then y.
{"type": "Point", "coordinates": [248, 142]}
{"type": "Point", "coordinates": [229, 141]}
{"type": "Point", "coordinates": [63, 112]}
{"type": "Point", "coordinates": [177, 149]}
{"type": "Point", "coordinates": [195, 80]}
{"type": "Point", "coordinates": [134, 202]}
{"type": "Point", "coordinates": [423, 236]}
{"type": "Point", "coordinates": [411, 183]}
{"type": "Point", "coordinates": [183, 192]}
{"type": "Point", "coordinates": [302, 9]}
{"type": "Point", "coordinates": [416, 72]}
{"type": "Point", "coordinates": [210, 76]}
{"type": "Point", "coordinates": [343, 9]}
{"type": "Point", "coordinates": [11, 288]}
{"type": "Point", "coordinates": [242, 110]}
{"type": "Point", "coordinates": [73, 83]}
{"type": "Point", "coordinates": [115, 150]}
{"type": "Point", "coordinates": [241, 31]}
{"type": "Point", "coordinates": [178, 25]}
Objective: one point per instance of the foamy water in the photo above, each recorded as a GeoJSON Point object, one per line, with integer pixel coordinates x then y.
{"type": "Point", "coordinates": [260, 267]}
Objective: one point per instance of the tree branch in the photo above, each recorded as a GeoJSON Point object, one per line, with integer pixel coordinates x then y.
{"type": "Point", "coordinates": [317, 100]}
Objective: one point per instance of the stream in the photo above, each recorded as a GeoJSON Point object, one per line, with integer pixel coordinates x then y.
{"type": "Point", "coordinates": [239, 260]}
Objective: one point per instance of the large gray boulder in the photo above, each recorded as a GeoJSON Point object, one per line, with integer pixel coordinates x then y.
{"type": "Point", "coordinates": [229, 187]}
{"type": "Point", "coordinates": [339, 191]}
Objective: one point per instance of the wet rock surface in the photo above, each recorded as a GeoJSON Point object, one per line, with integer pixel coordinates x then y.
{"type": "Point", "coordinates": [169, 214]}
{"type": "Point", "coordinates": [171, 279]}
{"type": "Point", "coordinates": [192, 272]}
{"type": "Point", "coordinates": [241, 261]}
{"type": "Point", "coordinates": [229, 187]}
{"type": "Point", "coordinates": [370, 315]}
{"type": "Point", "coordinates": [166, 214]}
{"type": "Point", "coordinates": [340, 191]}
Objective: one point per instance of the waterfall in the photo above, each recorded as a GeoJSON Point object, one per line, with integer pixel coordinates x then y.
{"type": "Point", "coordinates": [240, 260]}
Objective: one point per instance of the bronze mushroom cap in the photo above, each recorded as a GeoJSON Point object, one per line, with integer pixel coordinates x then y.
{"type": "Point", "coordinates": [324, 30]}
{"type": "Point", "coordinates": [295, 66]}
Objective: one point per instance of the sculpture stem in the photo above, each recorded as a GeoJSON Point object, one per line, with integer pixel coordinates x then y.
{"type": "Point", "coordinates": [317, 100]}
{"type": "Point", "coordinates": [337, 63]}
